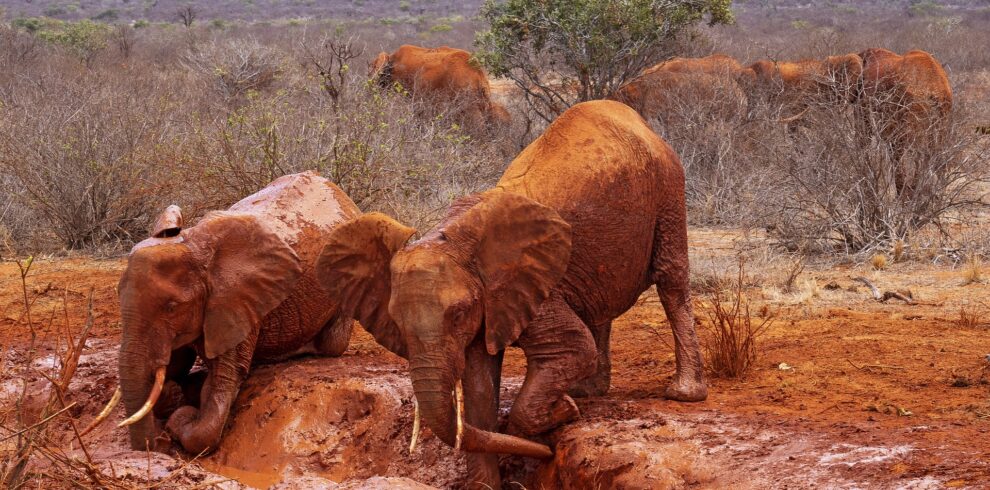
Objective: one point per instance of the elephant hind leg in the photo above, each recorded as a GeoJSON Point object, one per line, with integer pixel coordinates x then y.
{"type": "Point", "coordinates": [333, 339]}
{"type": "Point", "coordinates": [672, 277]}
{"type": "Point", "coordinates": [599, 382]}
{"type": "Point", "coordinates": [559, 352]}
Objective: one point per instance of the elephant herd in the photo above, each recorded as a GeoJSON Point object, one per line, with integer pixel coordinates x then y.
{"type": "Point", "coordinates": [584, 219]}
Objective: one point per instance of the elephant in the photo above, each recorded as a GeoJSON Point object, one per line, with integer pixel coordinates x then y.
{"type": "Point", "coordinates": [236, 289]}
{"type": "Point", "coordinates": [909, 97]}
{"type": "Point", "coordinates": [659, 90]}
{"type": "Point", "coordinates": [586, 218]}
{"type": "Point", "coordinates": [442, 74]}
{"type": "Point", "coordinates": [800, 85]}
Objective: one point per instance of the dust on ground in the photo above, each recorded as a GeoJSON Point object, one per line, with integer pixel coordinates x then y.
{"type": "Point", "coordinates": [847, 392]}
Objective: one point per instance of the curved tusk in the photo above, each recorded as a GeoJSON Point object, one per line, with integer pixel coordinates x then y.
{"type": "Point", "coordinates": [459, 411]}
{"type": "Point", "coordinates": [415, 434]}
{"type": "Point", "coordinates": [114, 400]}
{"type": "Point", "coordinates": [156, 390]}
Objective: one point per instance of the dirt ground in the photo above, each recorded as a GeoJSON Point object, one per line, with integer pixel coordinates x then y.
{"type": "Point", "coordinates": [847, 392]}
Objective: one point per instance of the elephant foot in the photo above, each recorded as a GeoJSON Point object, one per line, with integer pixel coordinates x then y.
{"type": "Point", "coordinates": [185, 426]}
{"type": "Point", "coordinates": [564, 410]}
{"type": "Point", "coordinates": [686, 390]}
{"type": "Point", "coordinates": [595, 385]}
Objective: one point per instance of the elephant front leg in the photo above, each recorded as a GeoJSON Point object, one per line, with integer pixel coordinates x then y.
{"type": "Point", "coordinates": [598, 383]}
{"type": "Point", "coordinates": [198, 430]}
{"type": "Point", "coordinates": [559, 352]}
{"type": "Point", "coordinates": [482, 379]}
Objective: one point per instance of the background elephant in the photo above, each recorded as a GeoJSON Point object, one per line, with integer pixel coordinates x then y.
{"type": "Point", "coordinates": [237, 288]}
{"type": "Point", "coordinates": [708, 84]}
{"type": "Point", "coordinates": [584, 220]}
{"type": "Point", "coordinates": [800, 85]}
{"type": "Point", "coordinates": [909, 98]}
{"type": "Point", "coordinates": [445, 75]}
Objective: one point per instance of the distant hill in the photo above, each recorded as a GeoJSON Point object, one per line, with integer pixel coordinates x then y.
{"type": "Point", "coordinates": [261, 10]}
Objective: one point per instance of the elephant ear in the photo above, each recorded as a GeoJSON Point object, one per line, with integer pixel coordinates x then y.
{"type": "Point", "coordinates": [522, 252]}
{"type": "Point", "coordinates": [354, 269]}
{"type": "Point", "coordinates": [380, 69]}
{"type": "Point", "coordinates": [249, 272]}
{"type": "Point", "coordinates": [169, 223]}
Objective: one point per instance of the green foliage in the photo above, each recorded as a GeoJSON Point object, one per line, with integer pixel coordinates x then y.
{"type": "Point", "coordinates": [597, 44]}
{"type": "Point", "coordinates": [925, 8]}
{"type": "Point", "coordinates": [30, 24]}
{"type": "Point", "coordinates": [109, 15]}
{"type": "Point", "coordinates": [84, 39]}
{"type": "Point", "coordinates": [141, 23]}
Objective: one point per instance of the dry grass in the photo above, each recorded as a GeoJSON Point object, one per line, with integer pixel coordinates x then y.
{"type": "Point", "coordinates": [731, 347]}
{"type": "Point", "coordinates": [878, 262]}
{"type": "Point", "coordinates": [973, 270]}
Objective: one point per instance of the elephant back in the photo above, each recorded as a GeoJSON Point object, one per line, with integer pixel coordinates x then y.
{"type": "Point", "coordinates": [302, 209]}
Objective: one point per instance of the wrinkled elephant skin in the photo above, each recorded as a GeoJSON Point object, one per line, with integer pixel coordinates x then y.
{"type": "Point", "coordinates": [235, 289]}
{"type": "Point", "coordinates": [584, 220]}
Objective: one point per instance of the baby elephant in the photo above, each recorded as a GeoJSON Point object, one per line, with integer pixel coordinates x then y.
{"type": "Point", "coordinates": [235, 289]}
{"type": "Point", "coordinates": [583, 221]}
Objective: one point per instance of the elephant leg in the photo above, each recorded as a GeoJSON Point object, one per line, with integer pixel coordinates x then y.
{"type": "Point", "coordinates": [199, 429]}
{"type": "Point", "coordinates": [180, 362]}
{"type": "Point", "coordinates": [598, 383]}
{"type": "Point", "coordinates": [560, 351]}
{"type": "Point", "coordinates": [671, 275]}
{"type": "Point", "coordinates": [333, 338]}
{"type": "Point", "coordinates": [482, 379]}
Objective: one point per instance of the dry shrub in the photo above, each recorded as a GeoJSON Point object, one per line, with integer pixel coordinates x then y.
{"type": "Point", "coordinates": [878, 262]}
{"type": "Point", "coordinates": [234, 67]}
{"type": "Point", "coordinates": [84, 154]}
{"type": "Point", "coordinates": [969, 319]}
{"type": "Point", "coordinates": [731, 349]}
{"type": "Point", "coordinates": [973, 272]}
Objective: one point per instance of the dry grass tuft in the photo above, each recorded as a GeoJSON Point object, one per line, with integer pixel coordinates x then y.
{"type": "Point", "coordinates": [969, 319]}
{"type": "Point", "coordinates": [973, 273]}
{"type": "Point", "coordinates": [879, 262]}
{"type": "Point", "coordinates": [731, 350]}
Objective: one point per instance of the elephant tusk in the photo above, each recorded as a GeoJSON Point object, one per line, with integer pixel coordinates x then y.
{"type": "Point", "coordinates": [415, 432]}
{"type": "Point", "coordinates": [104, 413]}
{"type": "Point", "coordinates": [156, 390]}
{"type": "Point", "coordinates": [459, 411]}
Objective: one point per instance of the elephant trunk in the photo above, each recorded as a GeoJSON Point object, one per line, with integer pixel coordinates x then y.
{"type": "Point", "coordinates": [138, 370]}
{"type": "Point", "coordinates": [434, 387]}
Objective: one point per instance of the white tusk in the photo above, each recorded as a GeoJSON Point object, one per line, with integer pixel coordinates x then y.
{"type": "Point", "coordinates": [104, 413]}
{"type": "Point", "coordinates": [156, 390]}
{"type": "Point", "coordinates": [415, 434]}
{"type": "Point", "coordinates": [459, 411]}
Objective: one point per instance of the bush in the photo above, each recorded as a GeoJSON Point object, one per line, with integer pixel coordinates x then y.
{"type": "Point", "coordinates": [84, 39]}
{"type": "Point", "coordinates": [731, 349]}
{"type": "Point", "coordinates": [562, 52]}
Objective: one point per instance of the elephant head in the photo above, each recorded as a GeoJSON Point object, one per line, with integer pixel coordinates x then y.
{"type": "Point", "coordinates": [483, 272]}
{"type": "Point", "coordinates": [208, 286]}
{"type": "Point", "coordinates": [379, 69]}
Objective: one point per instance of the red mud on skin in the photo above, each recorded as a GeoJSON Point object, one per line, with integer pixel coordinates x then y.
{"type": "Point", "coordinates": [309, 422]}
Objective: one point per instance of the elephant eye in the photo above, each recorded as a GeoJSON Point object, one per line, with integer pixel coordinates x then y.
{"type": "Point", "coordinates": [170, 305]}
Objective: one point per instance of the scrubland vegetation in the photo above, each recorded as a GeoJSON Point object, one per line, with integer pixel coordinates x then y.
{"type": "Point", "coordinates": [104, 123]}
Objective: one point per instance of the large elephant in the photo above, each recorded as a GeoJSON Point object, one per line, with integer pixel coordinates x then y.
{"type": "Point", "coordinates": [584, 220]}
{"type": "Point", "coordinates": [800, 85]}
{"type": "Point", "coordinates": [443, 75]}
{"type": "Point", "coordinates": [708, 84]}
{"type": "Point", "coordinates": [909, 98]}
{"type": "Point", "coordinates": [235, 289]}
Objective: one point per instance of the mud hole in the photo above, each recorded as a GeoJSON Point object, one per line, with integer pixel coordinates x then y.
{"type": "Point", "coordinates": [870, 395]}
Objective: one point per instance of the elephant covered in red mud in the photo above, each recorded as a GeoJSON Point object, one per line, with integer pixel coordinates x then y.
{"type": "Point", "coordinates": [583, 221]}
{"type": "Point", "coordinates": [443, 75]}
{"type": "Point", "coordinates": [235, 289]}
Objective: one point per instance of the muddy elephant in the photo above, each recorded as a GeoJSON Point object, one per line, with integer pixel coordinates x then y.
{"type": "Point", "coordinates": [800, 85]}
{"type": "Point", "coordinates": [235, 289]}
{"type": "Point", "coordinates": [909, 99]}
{"type": "Point", "coordinates": [709, 84]}
{"type": "Point", "coordinates": [584, 220]}
{"type": "Point", "coordinates": [444, 76]}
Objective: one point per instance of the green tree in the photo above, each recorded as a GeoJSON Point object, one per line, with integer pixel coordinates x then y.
{"type": "Point", "coordinates": [85, 39]}
{"type": "Point", "coordinates": [561, 52]}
